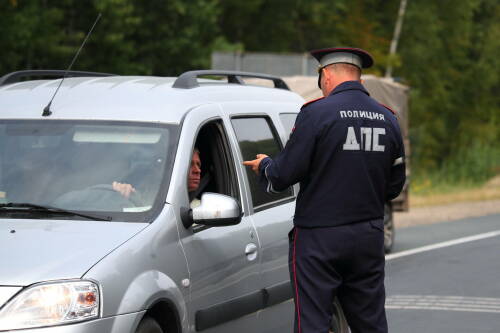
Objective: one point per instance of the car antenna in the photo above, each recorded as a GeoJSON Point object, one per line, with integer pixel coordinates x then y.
{"type": "Point", "coordinates": [46, 110]}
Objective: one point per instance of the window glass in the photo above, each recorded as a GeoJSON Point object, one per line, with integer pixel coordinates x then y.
{"type": "Point", "coordinates": [288, 121]}
{"type": "Point", "coordinates": [217, 164]}
{"type": "Point", "coordinates": [256, 136]}
{"type": "Point", "coordinates": [76, 165]}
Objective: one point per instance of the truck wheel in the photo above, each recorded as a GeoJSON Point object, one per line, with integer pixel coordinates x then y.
{"type": "Point", "coordinates": [339, 323]}
{"type": "Point", "coordinates": [148, 325]}
{"type": "Point", "coordinates": [389, 230]}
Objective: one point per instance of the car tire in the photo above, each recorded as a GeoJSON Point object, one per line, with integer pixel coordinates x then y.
{"type": "Point", "coordinates": [148, 325]}
{"type": "Point", "coordinates": [389, 229]}
{"type": "Point", "coordinates": [339, 323]}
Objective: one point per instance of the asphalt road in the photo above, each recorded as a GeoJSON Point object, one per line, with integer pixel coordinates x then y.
{"type": "Point", "coordinates": [445, 277]}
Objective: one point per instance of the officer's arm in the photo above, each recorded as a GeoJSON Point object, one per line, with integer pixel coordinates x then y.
{"type": "Point", "coordinates": [398, 172]}
{"type": "Point", "coordinates": [292, 164]}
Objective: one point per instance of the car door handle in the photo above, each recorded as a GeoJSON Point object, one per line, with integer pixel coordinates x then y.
{"type": "Point", "coordinates": [251, 251]}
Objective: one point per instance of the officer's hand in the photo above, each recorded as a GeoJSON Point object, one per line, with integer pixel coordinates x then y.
{"type": "Point", "coordinates": [255, 163]}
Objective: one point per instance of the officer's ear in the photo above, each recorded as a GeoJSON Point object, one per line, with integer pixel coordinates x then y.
{"type": "Point", "coordinates": [327, 72]}
{"type": "Point", "coordinates": [325, 80]}
{"type": "Point", "coordinates": [323, 72]}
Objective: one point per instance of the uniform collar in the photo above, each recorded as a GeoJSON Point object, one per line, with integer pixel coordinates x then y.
{"type": "Point", "coordinates": [349, 85]}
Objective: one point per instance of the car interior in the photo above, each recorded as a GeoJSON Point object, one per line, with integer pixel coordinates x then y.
{"type": "Point", "coordinates": [218, 173]}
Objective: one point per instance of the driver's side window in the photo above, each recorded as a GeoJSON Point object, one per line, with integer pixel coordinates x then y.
{"type": "Point", "coordinates": [215, 171]}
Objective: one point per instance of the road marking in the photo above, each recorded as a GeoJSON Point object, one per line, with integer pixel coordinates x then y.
{"type": "Point", "coordinates": [444, 303]}
{"type": "Point", "coordinates": [442, 244]}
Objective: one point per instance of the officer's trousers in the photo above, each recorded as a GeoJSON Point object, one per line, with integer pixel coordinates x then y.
{"type": "Point", "coordinates": [344, 261]}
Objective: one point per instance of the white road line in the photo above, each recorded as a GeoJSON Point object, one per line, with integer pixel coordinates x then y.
{"type": "Point", "coordinates": [444, 303]}
{"type": "Point", "coordinates": [442, 244]}
{"type": "Point", "coordinates": [451, 299]}
{"type": "Point", "coordinates": [442, 308]}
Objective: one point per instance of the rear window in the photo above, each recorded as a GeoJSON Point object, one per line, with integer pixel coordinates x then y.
{"type": "Point", "coordinates": [257, 135]}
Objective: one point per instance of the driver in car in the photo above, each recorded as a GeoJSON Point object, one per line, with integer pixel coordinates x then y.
{"type": "Point", "coordinates": [193, 183]}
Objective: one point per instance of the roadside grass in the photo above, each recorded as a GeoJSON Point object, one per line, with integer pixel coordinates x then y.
{"type": "Point", "coordinates": [425, 193]}
{"type": "Point", "coordinates": [472, 174]}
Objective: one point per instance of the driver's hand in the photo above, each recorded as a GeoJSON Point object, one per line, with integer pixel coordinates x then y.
{"type": "Point", "coordinates": [123, 189]}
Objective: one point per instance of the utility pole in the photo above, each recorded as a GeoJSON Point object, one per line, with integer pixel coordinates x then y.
{"type": "Point", "coordinates": [395, 37]}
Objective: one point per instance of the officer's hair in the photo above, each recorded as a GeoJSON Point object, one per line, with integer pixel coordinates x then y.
{"type": "Point", "coordinates": [346, 69]}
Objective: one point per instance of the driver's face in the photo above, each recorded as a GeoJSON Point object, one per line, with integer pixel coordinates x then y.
{"type": "Point", "coordinates": [194, 173]}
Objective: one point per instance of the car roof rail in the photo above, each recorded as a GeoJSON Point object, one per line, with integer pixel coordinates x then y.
{"type": "Point", "coordinates": [189, 80]}
{"type": "Point", "coordinates": [15, 77]}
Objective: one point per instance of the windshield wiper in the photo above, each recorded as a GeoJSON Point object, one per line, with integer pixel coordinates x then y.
{"type": "Point", "coordinates": [49, 209]}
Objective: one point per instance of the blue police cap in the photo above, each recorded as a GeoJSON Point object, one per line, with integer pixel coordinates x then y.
{"type": "Point", "coordinates": [346, 55]}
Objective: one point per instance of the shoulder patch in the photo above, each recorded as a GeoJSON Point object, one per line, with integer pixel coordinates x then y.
{"type": "Point", "coordinates": [312, 101]}
{"type": "Point", "coordinates": [388, 108]}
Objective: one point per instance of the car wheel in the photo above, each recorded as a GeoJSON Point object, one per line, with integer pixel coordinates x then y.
{"type": "Point", "coordinates": [339, 323]}
{"type": "Point", "coordinates": [148, 325]}
{"type": "Point", "coordinates": [389, 230]}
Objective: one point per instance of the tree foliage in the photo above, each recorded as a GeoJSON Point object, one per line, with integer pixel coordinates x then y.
{"type": "Point", "coordinates": [449, 52]}
{"type": "Point", "coordinates": [302, 25]}
{"type": "Point", "coordinates": [133, 37]}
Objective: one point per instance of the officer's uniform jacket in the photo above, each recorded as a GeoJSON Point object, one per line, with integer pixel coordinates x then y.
{"type": "Point", "coordinates": [347, 152]}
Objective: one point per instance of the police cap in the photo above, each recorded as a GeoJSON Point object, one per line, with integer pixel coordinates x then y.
{"type": "Point", "coordinates": [344, 55]}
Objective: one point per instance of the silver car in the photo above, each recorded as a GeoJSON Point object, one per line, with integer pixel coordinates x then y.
{"type": "Point", "coordinates": [78, 256]}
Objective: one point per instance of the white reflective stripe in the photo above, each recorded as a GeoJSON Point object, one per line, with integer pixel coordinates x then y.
{"type": "Point", "coordinates": [270, 188]}
{"type": "Point", "coordinates": [341, 57]}
{"type": "Point", "coordinates": [398, 161]}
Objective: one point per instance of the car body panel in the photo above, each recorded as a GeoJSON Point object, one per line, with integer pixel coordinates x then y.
{"type": "Point", "coordinates": [54, 249]}
{"type": "Point", "coordinates": [115, 324]}
{"type": "Point", "coordinates": [272, 225]}
{"type": "Point", "coordinates": [219, 269]}
{"type": "Point", "coordinates": [123, 98]}
{"type": "Point", "coordinates": [148, 268]}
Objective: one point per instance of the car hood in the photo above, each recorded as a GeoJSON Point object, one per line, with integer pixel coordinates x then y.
{"type": "Point", "coordinates": [40, 250]}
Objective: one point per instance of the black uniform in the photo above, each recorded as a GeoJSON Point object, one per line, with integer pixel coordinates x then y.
{"type": "Point", "coordinates": [347, 153]}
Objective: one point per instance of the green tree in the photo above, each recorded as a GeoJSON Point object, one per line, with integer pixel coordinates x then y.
{"type": "Point", "coordinates": [449, 58]}
{"type": "Point", "coordinates": [30, 35]}
{"type": "Point", "coordinates": [299, 25]}
{"type": "Point", "coordinates": [159, 37]}
{"type": "Point", "coordinates": [175, 35]}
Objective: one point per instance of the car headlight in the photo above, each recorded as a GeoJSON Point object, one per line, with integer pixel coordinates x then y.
{"type": "Point", "coordinates": [51, 304]}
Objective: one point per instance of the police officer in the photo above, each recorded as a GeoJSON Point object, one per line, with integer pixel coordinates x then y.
{"type": "Point", "coordinates": [347, 153]}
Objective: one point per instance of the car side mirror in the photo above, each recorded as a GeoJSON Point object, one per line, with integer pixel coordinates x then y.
{"type": "Point", "coordinates": [216, 210]}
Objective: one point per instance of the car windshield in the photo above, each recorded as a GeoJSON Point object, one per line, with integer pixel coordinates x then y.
{"type": "Point", "coordinates": [120, 170]}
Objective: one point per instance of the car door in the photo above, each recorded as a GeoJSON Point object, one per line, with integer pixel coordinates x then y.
{"type": "Point", "coordinates": [272, 216]}
{"type": "Point", "coordinates": [223, 261]}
